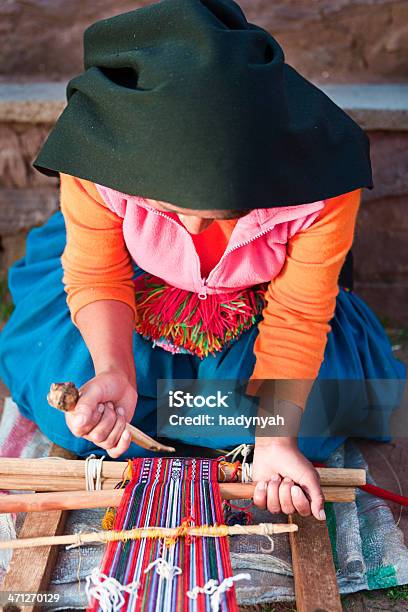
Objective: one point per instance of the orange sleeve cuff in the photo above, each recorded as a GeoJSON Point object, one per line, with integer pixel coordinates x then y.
{"type": "Point", "coordinates": [78, 298]}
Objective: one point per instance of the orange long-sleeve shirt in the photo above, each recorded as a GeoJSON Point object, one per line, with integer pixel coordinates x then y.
{"type": "Point", "coordinates": [300, 300]}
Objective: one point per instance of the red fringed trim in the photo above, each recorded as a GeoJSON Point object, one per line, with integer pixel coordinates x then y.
{"type": "Point", "coordinates": [180, 321]}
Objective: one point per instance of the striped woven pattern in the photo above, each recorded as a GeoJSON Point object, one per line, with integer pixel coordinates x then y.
{"type": "Point", "coordinates": [168, 493]}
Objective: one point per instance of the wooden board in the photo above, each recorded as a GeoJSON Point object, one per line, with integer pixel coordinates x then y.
{"type": "Point", "coordinates": [31, 569]}
{"type": "Point", "coordinates": [316, 588]}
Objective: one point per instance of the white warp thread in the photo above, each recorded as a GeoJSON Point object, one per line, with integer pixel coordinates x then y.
{"type": "Point", "coordinates": [108, 591]}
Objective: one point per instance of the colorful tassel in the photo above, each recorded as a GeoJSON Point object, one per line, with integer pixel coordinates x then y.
{"type": "Point", "coordinates": [179, 321]}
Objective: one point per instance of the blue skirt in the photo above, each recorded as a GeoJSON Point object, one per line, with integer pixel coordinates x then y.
{"type": "Point", "coordinates": [40, 345]}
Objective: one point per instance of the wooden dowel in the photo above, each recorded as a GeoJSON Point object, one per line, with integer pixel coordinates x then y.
{"type": "Point", "coordinates": [76, 500]}
{"type": "Point", "coordinates": [102, 537]}
{"type": "Point", "coordinates": [72, 500]}
{"type": "Point", "coordinates": [340, 477]}
{"type": "Point", "coordinates": [145, 441]}
{"type": "Point", "coordinates": [56, 467]}
{"type": "Point", "coordinates": [238, 490]}
{"type": "Point", "coordinates": [21, 482]}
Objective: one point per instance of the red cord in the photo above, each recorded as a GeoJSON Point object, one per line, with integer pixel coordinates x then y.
{"type": "Point", "coordinates": [384, 494]}
{"type": "Point", "coordinates": [378, 491]}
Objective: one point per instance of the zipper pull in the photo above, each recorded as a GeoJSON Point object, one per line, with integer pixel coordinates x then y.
{"type": "Point", "coordinates": [203, 293]}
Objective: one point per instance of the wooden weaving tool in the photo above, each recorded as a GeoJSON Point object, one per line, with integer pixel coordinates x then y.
{"type": "Point", "coordinates": [64, 397]}
{"type": "Point", "coordinates": [49, 473]}
{"type": "Point", "coordinates": [66, 479]}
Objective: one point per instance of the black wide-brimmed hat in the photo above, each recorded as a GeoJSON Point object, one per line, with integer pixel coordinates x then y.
{"type": "Point", "coordinates": [186, 102]}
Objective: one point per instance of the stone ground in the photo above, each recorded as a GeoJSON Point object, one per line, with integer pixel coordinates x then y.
{"type": "Point", "coordinates": [385, 461]}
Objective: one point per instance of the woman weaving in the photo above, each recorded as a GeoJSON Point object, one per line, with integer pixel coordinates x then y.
{"type": "Point", "coordinates": [209, 196]}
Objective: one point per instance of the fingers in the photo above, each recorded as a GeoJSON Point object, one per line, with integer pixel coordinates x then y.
{"type": "Point", "coordinates": [279, 495]}
{"type": "Point", "coordinates": [122, 446]}
{"type": "Point", "coordinates": [91, 394]}
{"type": "Point", "coordinates": [273, 503]}
{"type": "Point", "coordinates": [266, 494]}
{"type": "Point", "coordinates": [311, 484]}
{"type": "Point", "coordinates": [84, 418]}
{"type": "Point", "coordinates": [106, 429]}
{"type": "Point", "coordinates": [110, 433]}
{"type": "Point", "coordinates": [260, 497]}
{"type": "Point", "coordinates": [107, 402]}
{"type": "Point", "coordinates": [98, 434]}
{"type": "Point", "coordinates": [285, 496]}
{"type": "Point", "coordinates": [114, 436]}
{"type": "Point", "coordinates": [88, 411]}
{"type": "Point", "coordinates": [300, 501]}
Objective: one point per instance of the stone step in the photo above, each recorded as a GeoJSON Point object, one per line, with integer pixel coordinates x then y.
{"type": "Point", "coordinates": [373, 106]}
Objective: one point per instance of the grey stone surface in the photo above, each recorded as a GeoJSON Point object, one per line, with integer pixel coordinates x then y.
{"type": "Point", "coordinates": [373, 106]}
{"type": "Point", "coordinates": [32, 102]}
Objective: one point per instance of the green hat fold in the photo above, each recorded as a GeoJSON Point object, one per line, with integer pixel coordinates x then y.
{"type": "Point", "coordinates": [186, 102]}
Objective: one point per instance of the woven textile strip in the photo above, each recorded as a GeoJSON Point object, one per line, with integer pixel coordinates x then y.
{"type": "Point", "coordinates": [162, 493]}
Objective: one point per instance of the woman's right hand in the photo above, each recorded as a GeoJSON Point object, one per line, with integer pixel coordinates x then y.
{"type": "Point", "coordinates": [106, 404]}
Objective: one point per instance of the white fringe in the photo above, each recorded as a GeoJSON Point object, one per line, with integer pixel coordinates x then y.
{"type": "Point", "coordinates": [164, 569]}
{"type": "Point", "coordinates": [214, 590]}
{"type": "Point", "coordinates": [107, 591]}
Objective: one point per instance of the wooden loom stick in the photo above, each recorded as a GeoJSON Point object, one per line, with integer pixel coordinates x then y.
{"type": "Point", "coordinates": [64, 397]}
{"type": "Point", "coordinates": [103, 537]}
{"type": "Point", "coordinates": [316, 587]}
{"type": "Point", "coordinates": [51, 483]}
{"type": "Point", "coordinates": [114, 470]}
{"type": "Point", "coordinates": [75, 500]}
{"type": "Point", "coordinates": [30, 571]}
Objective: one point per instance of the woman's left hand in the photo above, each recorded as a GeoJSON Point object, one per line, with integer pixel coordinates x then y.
{"type": "Point", "coordinates": [286, 481]}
